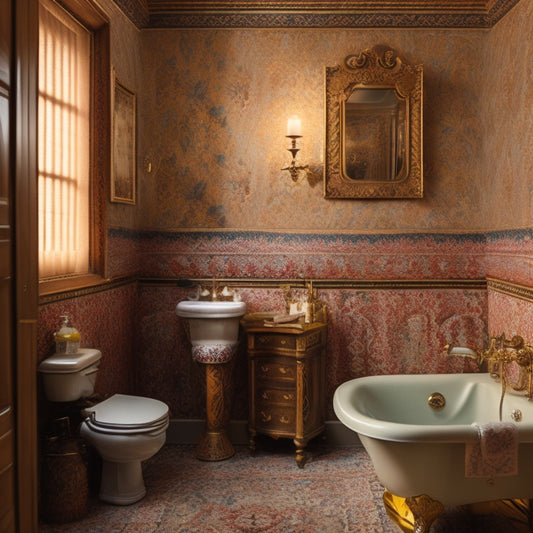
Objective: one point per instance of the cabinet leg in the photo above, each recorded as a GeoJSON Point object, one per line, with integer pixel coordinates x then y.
{"type": "Point", "coordinates": [251, 441]}
{"type": "Point", "coordinates": [301, 454]}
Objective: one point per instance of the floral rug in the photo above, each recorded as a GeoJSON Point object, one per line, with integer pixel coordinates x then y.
{"type": "Point", "coordinates": [336, 492]}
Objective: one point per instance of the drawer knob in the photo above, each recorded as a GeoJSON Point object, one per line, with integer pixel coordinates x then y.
{"type": "Point", "coordinates": [264, 369]}
{"type": "Point", "coordinates": [284, 419]}
{"type": "Point", "coordinates": [284, 370]}
{"type": "Point", "coordinates": [288, 396]}
{"type": "Point", "coordinates": [265, 396]}
{"type": "Point", "coordinates": [265, 417]}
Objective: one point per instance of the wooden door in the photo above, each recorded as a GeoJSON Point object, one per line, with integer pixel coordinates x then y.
{"type": "Point", "coordinates": [7, 439]}
{"type": "Point", "coordinates": [18, 265]}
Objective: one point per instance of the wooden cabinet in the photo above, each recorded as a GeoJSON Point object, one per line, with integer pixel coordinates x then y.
{"type": "Point", "coordinates": [286, 373]}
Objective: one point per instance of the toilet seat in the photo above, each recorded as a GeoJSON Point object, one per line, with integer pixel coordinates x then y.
{"type": "Point", "coordinates": [119, 430]}
{"type": "Point", "coordinates": [123, 414]}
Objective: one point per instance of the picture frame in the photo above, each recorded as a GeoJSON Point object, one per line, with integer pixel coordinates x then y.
{"type": "Point", "coordinates": [123, 142]}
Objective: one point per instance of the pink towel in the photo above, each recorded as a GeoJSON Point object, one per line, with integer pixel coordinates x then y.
{"type": "Point", "coordinates": [495, 453]}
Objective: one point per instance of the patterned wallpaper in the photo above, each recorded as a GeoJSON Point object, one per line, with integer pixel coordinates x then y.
{"type": "Point", "coordinates": [214, 119]}
{"type": "Point", "coordinates": [213, 106]}
{"type": "Point", "coordinates": [507, 153]}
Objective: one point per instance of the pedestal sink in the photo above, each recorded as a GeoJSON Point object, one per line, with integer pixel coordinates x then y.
{"type": "Point", "coordinates": [214, 336]}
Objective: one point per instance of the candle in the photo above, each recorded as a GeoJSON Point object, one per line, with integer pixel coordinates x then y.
{"type": "Point", "coordinates": [294, 126]}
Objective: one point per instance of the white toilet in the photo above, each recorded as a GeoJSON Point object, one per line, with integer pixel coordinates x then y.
{"type": "Point", "coordinates": [125, 430]}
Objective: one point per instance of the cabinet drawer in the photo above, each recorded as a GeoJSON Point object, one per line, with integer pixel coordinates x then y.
{"type": "Point", "coordinates": [275, 396]}
{"type": "Point", "coordinates": [275, 418]}
{"type": "Point", "coordinates": [275, 370]}
{"type": "Point", "coordinates": [271, 340]}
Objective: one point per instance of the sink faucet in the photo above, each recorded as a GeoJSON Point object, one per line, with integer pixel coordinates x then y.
{"type": "Point", "coordinates": [213, 293]}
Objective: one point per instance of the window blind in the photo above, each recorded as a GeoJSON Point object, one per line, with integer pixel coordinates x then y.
{"type": "Point", "coordinates": [63, 137]}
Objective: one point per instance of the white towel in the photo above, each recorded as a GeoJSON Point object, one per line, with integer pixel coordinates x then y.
{"type": "Point", "coordinates": [495, 453]}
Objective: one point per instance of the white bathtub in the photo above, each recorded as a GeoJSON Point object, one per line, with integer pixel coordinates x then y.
{"type": "Point", "coordinates": [416, 450]}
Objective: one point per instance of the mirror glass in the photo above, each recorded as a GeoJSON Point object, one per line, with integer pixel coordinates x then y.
{"type": "Point", "coordinates": [373, 143]}
{"type": "Point", "coordinates": [374, 136]}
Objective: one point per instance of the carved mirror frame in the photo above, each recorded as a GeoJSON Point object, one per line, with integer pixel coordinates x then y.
{"type": "Point", "coordinates": [375, 68]}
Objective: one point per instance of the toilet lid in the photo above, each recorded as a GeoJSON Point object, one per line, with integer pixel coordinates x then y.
{"type": "Point", "coordinates": [126, 412]}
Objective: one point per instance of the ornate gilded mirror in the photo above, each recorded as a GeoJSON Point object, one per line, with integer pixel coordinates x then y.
{"type": "Point", "coordinates": [373, 127]}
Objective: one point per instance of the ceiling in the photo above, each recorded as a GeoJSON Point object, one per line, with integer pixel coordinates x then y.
{"type": "Point", "coordinates": [316, 13]}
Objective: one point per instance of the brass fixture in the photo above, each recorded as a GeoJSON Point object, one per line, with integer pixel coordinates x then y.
{"type": "Point", "coordinates": [214, 293]}
{"type": "Point", "coordinates": [293, 133]}
{"type": "Point", "coordinates": [307, 303]}
{"type": "Point", "coordinates": [436, 401]}
{"type": "Point", "coordinates": [500, 353]}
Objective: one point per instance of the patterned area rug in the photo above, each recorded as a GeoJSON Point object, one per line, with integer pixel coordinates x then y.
{"type": "Point", "coordinates": [337, 491]}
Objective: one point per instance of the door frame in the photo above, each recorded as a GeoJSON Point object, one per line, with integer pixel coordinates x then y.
{"type": "Point", "coordinates": [26, 287]}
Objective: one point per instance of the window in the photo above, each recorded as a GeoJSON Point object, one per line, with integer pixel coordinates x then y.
{"type": "Point", "coordinates": [64, 106]}
{"type": "Point", "coordinates": [74, 89]}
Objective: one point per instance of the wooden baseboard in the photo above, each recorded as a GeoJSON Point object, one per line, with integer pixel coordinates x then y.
{"type": "Point", "coordinates": [182, 431]}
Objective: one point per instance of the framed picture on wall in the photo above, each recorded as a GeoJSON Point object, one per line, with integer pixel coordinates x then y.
{"type": "Point", "coordinates": [123, 153]}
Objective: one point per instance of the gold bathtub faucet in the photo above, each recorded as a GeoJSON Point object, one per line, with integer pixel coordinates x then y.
{"type": "Point", "coordinates": [498, 355]}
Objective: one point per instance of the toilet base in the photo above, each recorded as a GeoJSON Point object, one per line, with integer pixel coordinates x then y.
{"type": "Point", "coordinates": [122, 483]}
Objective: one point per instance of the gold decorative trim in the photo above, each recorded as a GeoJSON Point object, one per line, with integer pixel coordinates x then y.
{"type": "Point", "coordinates": [465, 284]}
{"type": "Point", "coordinates": [511, 289]}
{"type": "Point", "coordinates": [105, 285]}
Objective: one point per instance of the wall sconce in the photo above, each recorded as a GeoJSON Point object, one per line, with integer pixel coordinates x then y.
{"type": "Point", "coordinates": [294, 131]}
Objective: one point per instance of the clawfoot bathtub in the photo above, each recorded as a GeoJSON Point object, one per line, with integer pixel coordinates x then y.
{"type": "Point", "coordinates": [416, 429]}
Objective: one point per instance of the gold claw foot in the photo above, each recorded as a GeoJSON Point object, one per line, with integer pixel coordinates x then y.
{"type": "Point", "coordinates": [412, 515]}
{"type": "Point", "coordinates": [425, 511]}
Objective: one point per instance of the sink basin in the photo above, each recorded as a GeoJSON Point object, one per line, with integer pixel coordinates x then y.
{"type": "Point", "coordinates": [210, 309]}
{"type": "Point", "coordinates": [212, 322]}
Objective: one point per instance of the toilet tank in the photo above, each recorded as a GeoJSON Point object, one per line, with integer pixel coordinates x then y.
{"type": "Point", "coordinates": [70, 377]}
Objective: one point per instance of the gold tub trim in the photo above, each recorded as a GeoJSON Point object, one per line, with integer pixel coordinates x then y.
{"type": "Point", "coordinates": [417, 514]}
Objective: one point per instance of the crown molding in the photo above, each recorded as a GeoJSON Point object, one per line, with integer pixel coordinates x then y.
{"type": "Point", "coordinates": [136, 10]}
{"type": "Point", "coordinates": [315, 14]}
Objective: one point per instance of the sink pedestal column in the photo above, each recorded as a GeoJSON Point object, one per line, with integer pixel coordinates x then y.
{"type": "Point", "coordinates": [217, 361]}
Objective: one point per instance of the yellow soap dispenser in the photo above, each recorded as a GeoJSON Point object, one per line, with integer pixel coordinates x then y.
{"type": "Point", "coordinates": [67, 338]}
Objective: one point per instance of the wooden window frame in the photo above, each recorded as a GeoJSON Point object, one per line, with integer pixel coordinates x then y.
{"type": "Point", "coordinates": [96, 21]}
